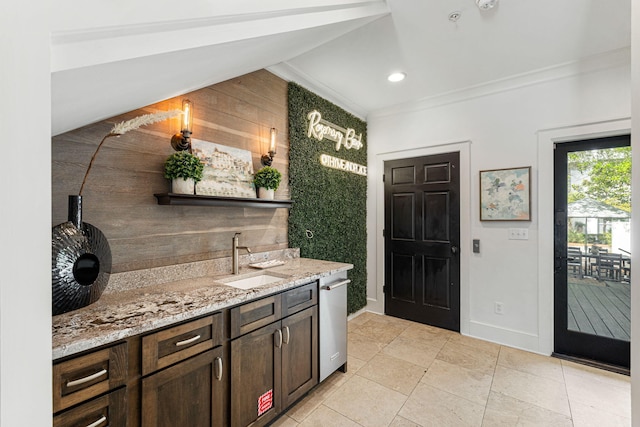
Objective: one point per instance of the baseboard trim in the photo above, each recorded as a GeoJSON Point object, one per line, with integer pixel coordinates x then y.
{"type": "Point", "coordinates": [504, 336]}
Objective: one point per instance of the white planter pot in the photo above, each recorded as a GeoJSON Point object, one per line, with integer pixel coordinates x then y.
{"type": "Point", "coordinates": [183, 186]}
{"type": "Point", "coordinates": [264, 193]}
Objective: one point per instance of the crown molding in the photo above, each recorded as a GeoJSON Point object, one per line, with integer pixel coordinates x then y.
{"type": "Point", "coordinates": [612, 59]}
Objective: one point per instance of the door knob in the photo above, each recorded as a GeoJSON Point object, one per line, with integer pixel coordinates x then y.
{"type": "Point", "coordinates": [454, 249]}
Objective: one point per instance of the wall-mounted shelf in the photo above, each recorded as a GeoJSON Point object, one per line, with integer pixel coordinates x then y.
{"type": "Point", "coordinates": [197, 200]}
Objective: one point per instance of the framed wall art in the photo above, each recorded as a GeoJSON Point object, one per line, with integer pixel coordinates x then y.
{"type": "Point", "coordinates": [505, 194]}
{"type": "Point", "coordinates": [228, 171]}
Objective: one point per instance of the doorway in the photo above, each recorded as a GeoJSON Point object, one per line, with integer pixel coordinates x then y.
{"type": "Point", "coordinates": [592, 208]}
{"type": "Point", "coordinates": [422, 239]}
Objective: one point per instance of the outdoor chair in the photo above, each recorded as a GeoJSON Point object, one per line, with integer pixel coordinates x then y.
{"type": "Point", "coordinates": [574, 262]}
{"type": "Point", "coordinates": [609, 267]}
{"type": "Point", "coordinates": [593, 259]}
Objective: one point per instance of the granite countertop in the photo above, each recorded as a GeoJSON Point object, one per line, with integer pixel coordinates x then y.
{"type": "Point", "coordinates": [125, 313]}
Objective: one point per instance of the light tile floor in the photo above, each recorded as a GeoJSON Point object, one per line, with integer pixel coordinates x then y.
{"type": "Point", "coordinates": [402, 374]}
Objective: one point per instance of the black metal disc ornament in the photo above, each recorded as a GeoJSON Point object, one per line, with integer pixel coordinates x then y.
{"type": "Point", "coordinates": [80, 261]}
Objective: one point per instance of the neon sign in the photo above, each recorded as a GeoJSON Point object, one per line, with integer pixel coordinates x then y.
{"type": "Point", "coordinates": [341, 164]}
{"type": "Point", "coordinates": [321, 129]}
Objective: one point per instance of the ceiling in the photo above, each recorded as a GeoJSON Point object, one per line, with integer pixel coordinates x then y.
{"type": "Point", "coordinates": [343, 50]}
{"type": "Point", "coordinates": [440, 56]}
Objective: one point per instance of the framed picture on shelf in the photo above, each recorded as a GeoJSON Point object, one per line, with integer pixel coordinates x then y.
{"type": "Point", "coordinates": [228, 171]}
{"type": "Point", "coordinates": [505, 194]}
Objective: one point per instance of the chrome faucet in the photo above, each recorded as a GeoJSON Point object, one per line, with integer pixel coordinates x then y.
{"type": "Point", "coordinates": [234, 252]}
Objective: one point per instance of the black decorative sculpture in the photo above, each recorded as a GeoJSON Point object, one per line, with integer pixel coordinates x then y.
{"type": "Point", "coordinates": [80, 261]}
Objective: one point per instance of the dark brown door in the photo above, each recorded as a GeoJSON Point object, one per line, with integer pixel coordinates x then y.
{"type": "Point", "coordinates": [299, 354]}
{"type": "Point", "coordinates": [422, 239]}
{"type": "Point", "coordinates": [189, 393]}
{"type": "Point", "coordinates": [256, 360]}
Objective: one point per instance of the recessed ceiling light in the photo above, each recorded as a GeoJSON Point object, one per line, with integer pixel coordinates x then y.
{"type": "Point", "coordinates": [396, 77]}
{"type": "Point", "coordinates": [486, 4]}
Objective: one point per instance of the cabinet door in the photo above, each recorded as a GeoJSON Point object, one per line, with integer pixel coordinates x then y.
{"type": "Point", "coordinates": [191, 393]}
{"type": "Point", "coordinates": [299, 354]}
{"type": "Point", "coordinates": [255, 376]}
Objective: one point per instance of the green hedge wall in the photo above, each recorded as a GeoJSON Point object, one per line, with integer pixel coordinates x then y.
{"type": "Point", "coordinates": [330, 203]}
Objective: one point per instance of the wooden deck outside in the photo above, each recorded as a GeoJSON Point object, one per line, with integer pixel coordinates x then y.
{"type": "Point", "coordinates": [600, 308]}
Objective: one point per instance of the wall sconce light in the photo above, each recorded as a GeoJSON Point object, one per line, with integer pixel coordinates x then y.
{"type": "Point", "coordinates": [267, 159]}
{"type": "Point", "coordinates": [182, 141]}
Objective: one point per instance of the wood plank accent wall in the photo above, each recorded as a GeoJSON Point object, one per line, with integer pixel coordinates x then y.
{"type": "Point", "coordinates": [118, 196]}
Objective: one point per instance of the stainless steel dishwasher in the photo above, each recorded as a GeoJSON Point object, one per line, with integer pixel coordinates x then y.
{"type": "Point", "coordinates": [333, 323]}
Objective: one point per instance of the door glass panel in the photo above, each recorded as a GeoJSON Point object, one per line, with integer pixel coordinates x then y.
{"type": "Point", "coordinates": [598, 242]}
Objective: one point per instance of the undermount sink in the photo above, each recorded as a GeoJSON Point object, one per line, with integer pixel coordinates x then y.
{"type": "Point", "coordinates": [251, 281]}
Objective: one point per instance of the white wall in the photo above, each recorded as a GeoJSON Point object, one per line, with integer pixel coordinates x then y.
{"type": "Point", "coordinates": [503, 128]}
{"type": "Point", "coordinates": [635, 214]}
{"type": "Point", "coordinates": [25, 219]}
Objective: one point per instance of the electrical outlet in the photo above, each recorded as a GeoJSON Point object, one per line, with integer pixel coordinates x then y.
{"type": "Point", "coordinates": [499, 308]}
{"type": "Point", "coordinates": [518, 234]}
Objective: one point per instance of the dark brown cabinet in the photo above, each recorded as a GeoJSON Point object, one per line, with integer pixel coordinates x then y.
{"type": "Point", "coordinates": [188, 385]}
{"type": "Point", "coordinates": [191, 393]}
{"type": "Point", "coordinates": [107, 410]}
{"type": "Point", "coordinates": [241, 366]}
{"type": "Point", "coordinates": [299, 355]}
{"type": "Point", "coordinates": [276, 364]}
{"type": "Point", "coordinates": [78, 381]}
{"type": "Point", "coordinates": [255, 377]}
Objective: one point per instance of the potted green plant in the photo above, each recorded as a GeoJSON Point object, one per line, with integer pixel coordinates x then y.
{"type": "Point", "coordinates": [267, 180]}
{"type": "Point", "coordinates": [184, 170]}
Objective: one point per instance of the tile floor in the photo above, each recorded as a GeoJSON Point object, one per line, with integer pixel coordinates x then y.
{"type": "Point", "coordinates": [404, 374]}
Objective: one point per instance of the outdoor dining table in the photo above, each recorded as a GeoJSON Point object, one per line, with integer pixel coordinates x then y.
{"type": "Point", "coordinates": [592, 261]}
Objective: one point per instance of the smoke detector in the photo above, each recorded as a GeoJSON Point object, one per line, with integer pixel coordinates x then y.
{"type": "Point", "coordinates": [486, 4]}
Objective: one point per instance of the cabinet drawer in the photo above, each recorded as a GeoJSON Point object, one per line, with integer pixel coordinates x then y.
{"type": "Point", "coordinates": [251, 316]}
{"type": "Point", "coordinates": [84, 377]}
{"type": "Point", "coordinates": [172, 345]}
{"type": "Point", "coordinates": [107, 410]}
{"type": "Point", "coordinates": [298, 299]}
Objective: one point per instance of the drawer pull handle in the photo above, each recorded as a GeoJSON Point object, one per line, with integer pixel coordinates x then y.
{"type": "Point", "coordinates": [86, 379]}
{"type": "Point", "coordinates": [218, 368]}
{"type": "Point", "coordinates": [97, 423]}
{"type": "Point", "coordinates": [279, 342]}
{"type": "Point", "coordinates": [189, 341]}
{"type": "Point", "coordinates": [336, 285]}
{"type": "Point", "coordinates": [286, 336]}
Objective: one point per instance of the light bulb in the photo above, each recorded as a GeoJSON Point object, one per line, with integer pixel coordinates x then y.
{"type": "Point", "coordinates": [187, 115]}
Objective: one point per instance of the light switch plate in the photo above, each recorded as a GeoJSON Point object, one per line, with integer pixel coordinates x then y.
{"type": "Point", "coordinates": [518, 234]}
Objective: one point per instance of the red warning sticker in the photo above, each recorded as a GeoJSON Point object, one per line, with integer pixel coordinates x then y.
{"type": "Point", "coordinates": [265, 402]}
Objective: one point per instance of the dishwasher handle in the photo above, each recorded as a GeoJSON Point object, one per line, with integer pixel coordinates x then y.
{"type": "Point", "coordinates": [335, 285]}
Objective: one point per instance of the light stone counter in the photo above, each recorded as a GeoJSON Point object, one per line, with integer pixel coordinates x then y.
{"type": "Point", "coordinates": [136, 309]}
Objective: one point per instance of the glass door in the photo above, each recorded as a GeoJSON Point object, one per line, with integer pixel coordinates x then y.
{"type": "Point", "coordinates": [592, 204]}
